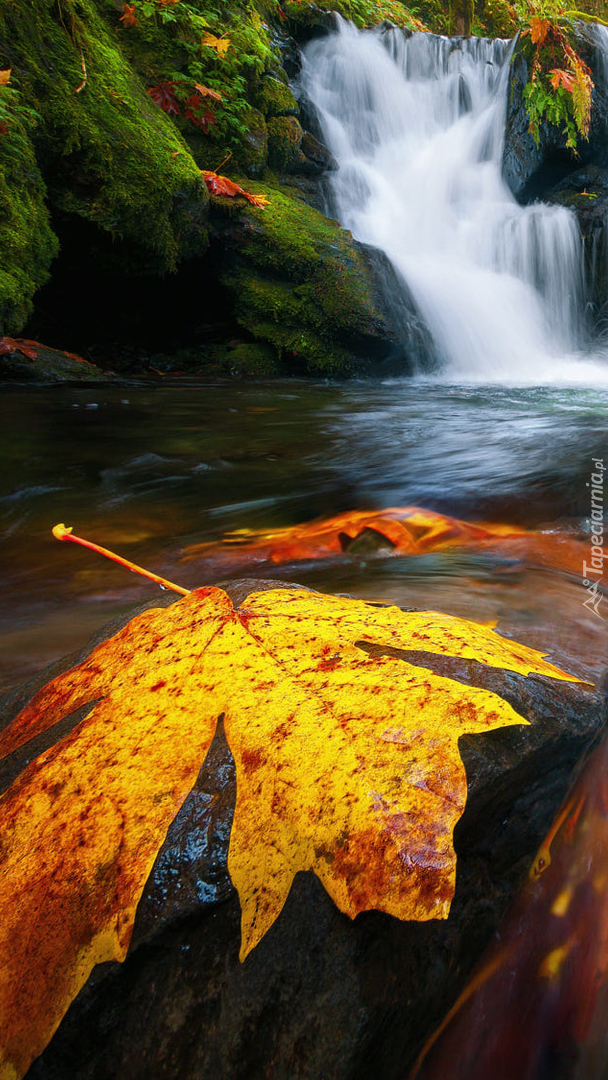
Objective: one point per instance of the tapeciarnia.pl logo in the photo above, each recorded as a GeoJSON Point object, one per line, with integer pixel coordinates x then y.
{"type": "Point", "coordinates": [592, 572]}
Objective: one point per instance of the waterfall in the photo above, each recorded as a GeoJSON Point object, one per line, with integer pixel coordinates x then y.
{"type": "Point", "coordinates": [416, 125]}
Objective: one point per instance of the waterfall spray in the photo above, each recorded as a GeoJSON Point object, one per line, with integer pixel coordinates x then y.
{"type": "Point", "coordinates": [416, 124]}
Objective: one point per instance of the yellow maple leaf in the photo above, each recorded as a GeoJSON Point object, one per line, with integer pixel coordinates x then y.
{"type": "Point", "coordinates": [5, 76]}
{"type": "Point", "coordinates": [221, 44]}
{"type": "Point", "coordinates": [347, 764]}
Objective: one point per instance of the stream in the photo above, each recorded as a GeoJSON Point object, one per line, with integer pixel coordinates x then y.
{"type": "Point", "coordinates": [148, 471]}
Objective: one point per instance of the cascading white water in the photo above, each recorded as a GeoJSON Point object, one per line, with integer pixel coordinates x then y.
{"type": "Point", "coordinates": [416, 126]}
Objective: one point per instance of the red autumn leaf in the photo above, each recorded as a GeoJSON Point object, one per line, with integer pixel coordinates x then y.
{"type": "Point", "coordinates": [221, 185]}
{"type": "Point", "coordinates": [204, 119]}
{"type": "Point", "coordinates": [164, 96]}
{"type": "Point", "coordinates": [75, 356]}
{"type": "Point", "coordinates": [4, 127]}
{"type": "Point", "coordinates": [563, 78]}
{"type": "Point", "coordinates": [11, 345]}
{"type": "Point", "coordinates": [128, 17]}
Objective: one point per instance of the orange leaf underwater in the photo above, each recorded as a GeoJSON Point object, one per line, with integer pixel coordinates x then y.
{"type": "Point", "coordinates": [408, 530]}
{"type": "Point", "coordinates": [347, 764]}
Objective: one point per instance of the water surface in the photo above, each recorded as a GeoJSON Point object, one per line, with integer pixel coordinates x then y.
{"type": "Point", "coordinates": [148, 470]}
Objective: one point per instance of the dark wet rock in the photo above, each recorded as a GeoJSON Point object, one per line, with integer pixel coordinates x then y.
{"type": "Point", "coordinates": [413, 347]}
{"type": "Point", "coordinates": [318, 160]}
{"type": "Point", "coordinates": [47, 366]}
{"type": "Point", "coordinates": [321, 997]}
{"type": "Point", "coordinates": [585, 191]}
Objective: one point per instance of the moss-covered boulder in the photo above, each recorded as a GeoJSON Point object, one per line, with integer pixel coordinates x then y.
{"type": "Point", "coordinates": [284, 142]}
{"type": "Point", "coordinates": [117, 108]}
{"type": "Point", "coordinates": [253, 153]}
{"type": "Point", "coordinates": [27, 241]}
{"type": "Point", "coordinates": [35, 363]}
{"type": "Point", "coordinates": [300, 284]}
{"type": "Point", "coordinates": [107, 151]}
{"type": "Point", "coordinates": [251, 358]}
{"type": "Point", "coordinates": [274, 96]}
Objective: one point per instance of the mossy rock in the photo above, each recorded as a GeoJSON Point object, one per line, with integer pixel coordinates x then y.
{"type": "Point", "coordinates": [108, 153]}
{"type": "Point", "coordinates": [284, 142]}
{"type": "Point", "coordinates": [253, 153]}
{"type": "Point", "coordinates": [249, 358]}
{"type": "Point", "coordinates": [48, 366]}
{"type": "Point", "coordinates": [27, 241]}
{"type": "Point", "coordinates": [274, 97]}
{"type": "Point", "coordinates": [300, 284]}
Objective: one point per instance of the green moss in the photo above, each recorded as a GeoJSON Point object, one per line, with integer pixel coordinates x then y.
{"type": "Point", "coordinates": [301, 285]}
{"type": "Point", "coordinates": [274, 97]}
{"type": "Point", "coordinates": [362, 13]}
{"type": "Point", "coordinates": [109, 154]}
{"type": "Point", "coordinates": [167, 47]}
{"type": "Point", "coordinates": [253, 152]}
{"type": "Point", "coordinates": [284, 142]}
{"type": "Point", "coordinates": [27, 242]}
{"type": "Point", "coordinates": [253, 359]}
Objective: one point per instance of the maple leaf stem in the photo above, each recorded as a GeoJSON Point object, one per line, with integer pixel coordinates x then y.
{"type": "Point", "coordinates": [61, 532]}
{"type": "Point", "coordinates": [222, 163]}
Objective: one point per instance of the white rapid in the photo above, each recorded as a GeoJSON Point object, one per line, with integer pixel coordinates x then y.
{"type": "Point", "coordinates": [416, 125]}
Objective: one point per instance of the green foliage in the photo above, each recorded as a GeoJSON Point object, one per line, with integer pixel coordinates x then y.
{"type": "Point", "coordinates": [27, 242]}
{"type": "Point", "coordinates": [173, 38]}
{"type": "Point", "coordinates": [494, 18]}
{"type": "Point", "coordinates": [362, 13]}
{"type": "Point", "coordinates": [555, 106]}
{"type": "Point", "coordinates": [559, 86]}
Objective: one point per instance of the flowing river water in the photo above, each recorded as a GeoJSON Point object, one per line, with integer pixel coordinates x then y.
{"type": "Point", "coordinates": [149, 471]}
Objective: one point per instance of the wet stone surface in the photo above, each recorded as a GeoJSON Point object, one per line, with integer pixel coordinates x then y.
{"type": "Point", "coordinates": [321, 997]}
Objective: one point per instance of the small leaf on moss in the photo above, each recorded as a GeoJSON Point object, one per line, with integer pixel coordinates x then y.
{"type": "Point", "coordinates": [128, 17]}
{"type": "Point", "coordinates": [221, 185]}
